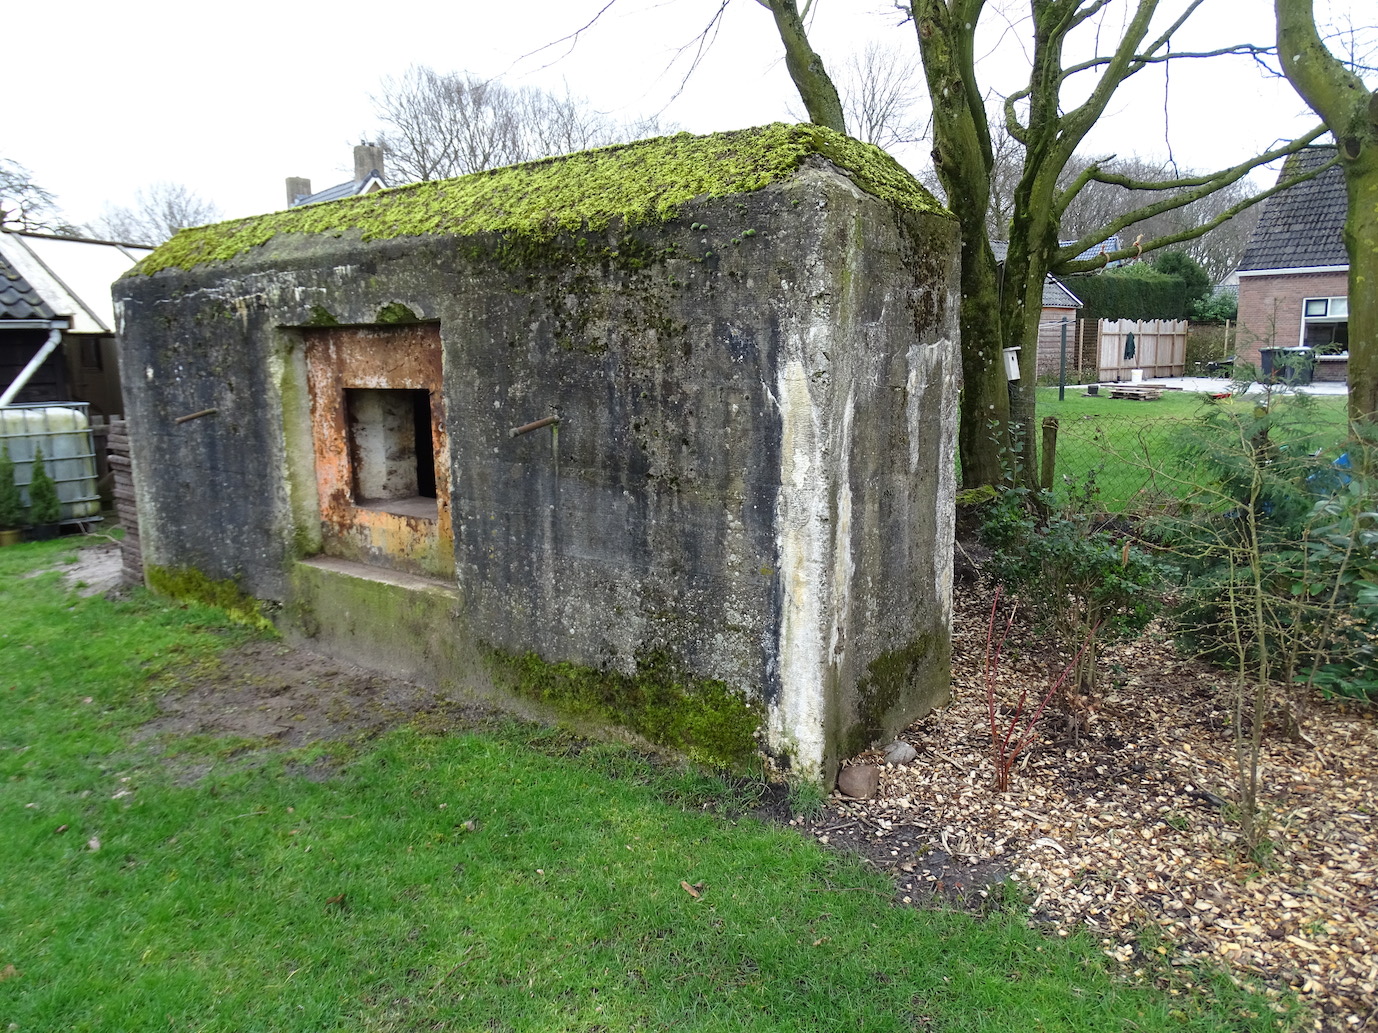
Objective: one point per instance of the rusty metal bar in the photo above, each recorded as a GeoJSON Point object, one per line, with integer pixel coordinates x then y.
{"type": "Point", "coordinates": [526, 428]}
{"type": "Point", "coordinates": [195, 415]}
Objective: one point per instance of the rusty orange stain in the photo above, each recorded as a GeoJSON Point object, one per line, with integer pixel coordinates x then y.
{"type": "Point", "coordinates": [407, 358]}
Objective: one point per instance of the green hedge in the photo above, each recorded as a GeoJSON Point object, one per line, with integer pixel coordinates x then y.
{"type": "Point", "coordinates": [1140, 293]}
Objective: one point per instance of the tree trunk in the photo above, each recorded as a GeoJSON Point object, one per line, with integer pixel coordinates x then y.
{"type": "Point", "coordinates": [1350, 112]}
{"type": "Point", "coordinates": [811, 79]}
{"type": "Point", "coordinates": [982, 432]}
{"type": "Point", "coordinates": [963, 159]}
{"type": "Point", "coordinates": [1361, 241]}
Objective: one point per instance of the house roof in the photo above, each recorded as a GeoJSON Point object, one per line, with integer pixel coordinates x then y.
{"type": "Point", "coordinates": [638, 183]}
{"type": "Point", "coordinates": [1300, 227]}
{"type": "Point", "coordinates": [18, 300]}
{"type": "Point", "coordinates": [71, 275]}
{"type": "Point", "coordinates": [373, 181]}
{"type": "Point", "coordinates": [1055, 292]}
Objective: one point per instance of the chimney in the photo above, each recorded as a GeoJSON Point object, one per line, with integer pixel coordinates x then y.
{"type": "Point", "coordinates": [368, 158]}
{"type": "Point", "coordinates": [297, 187]}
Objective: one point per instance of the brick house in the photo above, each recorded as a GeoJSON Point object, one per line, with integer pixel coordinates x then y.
{"type": "Point", "coordinates": [368, 177]}
{"type": "Point", "coordinates": [55, 295]}
{"type": "Point", "coordinates": [1294, 276]}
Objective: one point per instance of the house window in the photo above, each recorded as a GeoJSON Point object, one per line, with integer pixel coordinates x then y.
{"type": "Point", "coordinates": [391, 450]}
{"type": "Point", "coordinates": [1325, 325]}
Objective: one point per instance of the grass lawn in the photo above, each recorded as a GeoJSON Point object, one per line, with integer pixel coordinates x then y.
{"type": "Point", "coordinates": [1129, 445]}
{"type": "Point", "coordinates": [464, 881]}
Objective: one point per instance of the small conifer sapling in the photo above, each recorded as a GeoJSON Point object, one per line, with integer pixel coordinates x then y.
{"type": "Point", "coordinates": [44, 506]}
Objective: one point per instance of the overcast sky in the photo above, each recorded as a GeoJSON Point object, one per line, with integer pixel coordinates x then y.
{"type": "Point", "coordinates": [230, 99]}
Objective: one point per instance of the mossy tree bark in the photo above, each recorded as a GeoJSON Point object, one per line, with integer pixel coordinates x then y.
{"type": "Point", "coordinates": [1001, 307]}
{"type": "Point", "coordinates": [965, 162]}
{"type": "Point", "coordinates": [1350, 110]}
{"type": "Point", "coordinates": [806, 68]}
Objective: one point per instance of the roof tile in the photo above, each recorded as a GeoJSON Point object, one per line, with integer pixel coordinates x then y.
{"type": "Point", "coordinates": [18, 300]}
{"type": "Point", "coordinates": [1301, 227]}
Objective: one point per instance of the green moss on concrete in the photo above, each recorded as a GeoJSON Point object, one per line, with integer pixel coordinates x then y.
{"type": "Point", "coordinates": [702, 718]}
{"type": "Point", "coordinates": [885, 686]}
{"type": "Point", "coordinates": [321, 316]}
{"type": "Point", "coordinates": [637, 183]}
{"type": "Point", "coordinates": [190, 585]}
{"type": "Point", "coordinates": [976, 496]}
{"type": "Point", "coordinates": [396, 313]}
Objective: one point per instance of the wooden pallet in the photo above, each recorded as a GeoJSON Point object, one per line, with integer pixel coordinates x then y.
{"type": "Point", "coordinates": [1136, 392]}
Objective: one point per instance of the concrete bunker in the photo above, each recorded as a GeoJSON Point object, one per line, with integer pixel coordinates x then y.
{"type": "Point", "coordinates": [657, 435]}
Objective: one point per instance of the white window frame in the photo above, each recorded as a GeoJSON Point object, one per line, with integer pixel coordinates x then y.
{"type": "Point", "coordinates": [1336, 311]}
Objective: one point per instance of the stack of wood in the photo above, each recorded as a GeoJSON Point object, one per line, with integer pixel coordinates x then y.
{"type": "Point", "coordinates": [1137, 392]}
{"type": "Point", "coordinates": [122, 471]}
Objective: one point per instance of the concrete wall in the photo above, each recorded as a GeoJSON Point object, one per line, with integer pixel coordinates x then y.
{"type": "Point", "coordinates": [1270, 308]}
{"type": "Point", "coordinates": [750, 486]}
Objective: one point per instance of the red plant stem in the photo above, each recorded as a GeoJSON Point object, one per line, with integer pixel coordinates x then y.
{"type": "Point", "coordinates": [1002, 755]}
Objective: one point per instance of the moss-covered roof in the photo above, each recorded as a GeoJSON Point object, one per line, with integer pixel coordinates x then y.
{"type": "Point", "coordinates": [640, 183]}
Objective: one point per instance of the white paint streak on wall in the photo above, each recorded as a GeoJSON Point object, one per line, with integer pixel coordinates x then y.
{"type": "Point", "coordinates": [796, 720]}
{"type": "Point", "coordinates": [843, 562]}
{"type": "Point", "coordinates": [932, 372]}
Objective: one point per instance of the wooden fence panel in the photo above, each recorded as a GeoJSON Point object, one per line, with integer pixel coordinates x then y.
{"type": "Point", "coordinates": [1160, 348]}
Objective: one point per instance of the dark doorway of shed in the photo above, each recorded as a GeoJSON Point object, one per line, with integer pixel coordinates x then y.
{"type": "Point", "coordinates": [391, 450]}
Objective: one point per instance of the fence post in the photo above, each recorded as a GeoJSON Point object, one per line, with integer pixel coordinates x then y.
{"type": "Point", "coordinates": [1062, 364]}
{"type": "Point", "coordinates": [1049, 452]}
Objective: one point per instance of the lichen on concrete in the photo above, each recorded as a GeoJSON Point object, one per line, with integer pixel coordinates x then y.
{"type": "Point", "coordinates": [638, 183]}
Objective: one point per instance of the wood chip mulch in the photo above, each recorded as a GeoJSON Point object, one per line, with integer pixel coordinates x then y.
{"type": "Point", "coordinates": [1129, 827]}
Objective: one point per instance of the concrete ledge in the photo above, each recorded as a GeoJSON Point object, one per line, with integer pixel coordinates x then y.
{"type": "Point", "coordinates": [409, 626]}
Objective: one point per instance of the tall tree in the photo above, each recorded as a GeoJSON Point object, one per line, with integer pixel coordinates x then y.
{"type": "Point", "coordinates": [1218, 251]}
{"type": "Point", "coordinates": [443, 124]}
{"type": "Point", "coordinates": [1049, 118]}
{"type": "Point", "coordinates": [156, 214]}
{"type": "Point", "coordinates": [1350, 110]}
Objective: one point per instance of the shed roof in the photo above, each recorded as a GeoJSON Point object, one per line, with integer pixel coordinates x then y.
{"type": "Point", "coordinates": [1055, 293]}
{"type": "Point", "coordinates": [1301, 227]}
{"type": "Point", "coordinates": [18, 300]}
{"type": "Point", "coordinates": [644, 182]}
{"type": "Point", "coordinates": [72, 275]}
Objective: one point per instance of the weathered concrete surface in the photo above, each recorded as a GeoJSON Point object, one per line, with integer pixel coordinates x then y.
{"type": "Point", "coordinates": [751, 475]}
{"type": "Point", "coordinates": [397, 360]}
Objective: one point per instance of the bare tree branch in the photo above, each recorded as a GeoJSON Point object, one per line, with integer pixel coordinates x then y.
{"type": "Point", "coordinates": [157, 213]}
{"type": "Point", "coordinates": [1238, 49]}
{"type": "Point", "coordinates": [1064, 259]}
{"type": "Point", "coordinates": [24, 205]}
{"type": "Point", "coordinates": [571, 38]}
{"type": "Point", "coordinates": [451, 124]}
{"type": "Point", "coordinates": [811, 79]}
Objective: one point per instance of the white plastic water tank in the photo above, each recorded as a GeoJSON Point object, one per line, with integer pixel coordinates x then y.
{"type": "Point", "coordinates": [63, 432]}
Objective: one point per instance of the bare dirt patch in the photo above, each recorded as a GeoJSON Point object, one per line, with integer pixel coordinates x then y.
{"type": "Point", "coordinates": [278, 695]}
{"type": "Point", "coordinates": [99, 568]}
{"type": "Point", "coordinates": [96, 569]}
